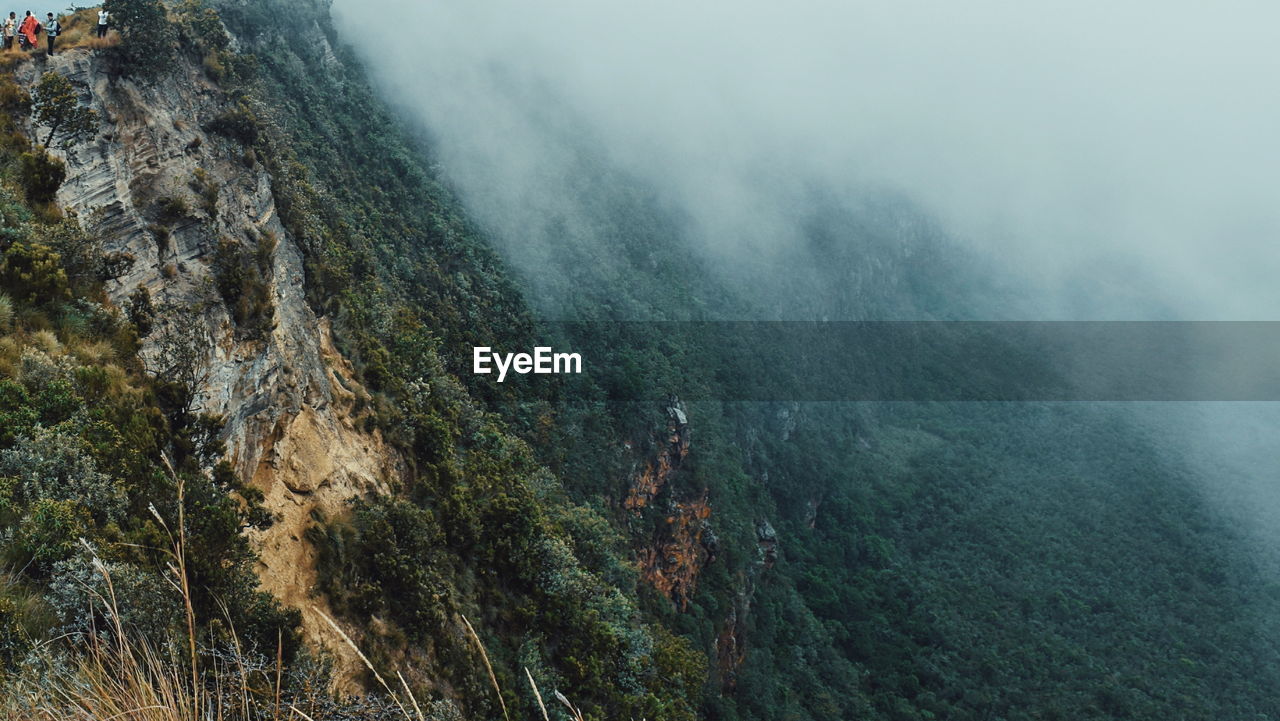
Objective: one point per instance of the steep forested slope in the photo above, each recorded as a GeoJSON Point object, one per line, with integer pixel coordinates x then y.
{"type": "Point", "coordinates": [660, 559]}
{"type": "Point", "coordinates": [834, 561]}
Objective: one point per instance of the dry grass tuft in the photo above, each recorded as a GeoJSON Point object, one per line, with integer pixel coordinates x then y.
{"type": "Point", "coordinates": [541, 706]}
{"type": "Point", "coordinates": [80, 30]}
{"type": "Point", "coordinates": [487, 666]}
{"type": "Point", "coordinates": [113, 675]}
{"type": "Point", "coordinates": [392, 694]}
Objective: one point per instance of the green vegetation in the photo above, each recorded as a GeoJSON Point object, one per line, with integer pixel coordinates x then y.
{"type": "Point", "coordinates": [208, 192]}
{"type": "Point", "coordinates": [57, 107]}
{"type": "Point", "coordinates": [41, 175]}
{"type": "Point", "coordinates": [171, 210]}
{"type": "Point", "coordinates": [878, 561]}
{"type": "Point", "coordinates": [147, 37]}
{"type": "Point", "coordinates": [240, 275]}
{"type": "Point", "coordinates": [480, 528]}
{"type": "Point", "coordinates": [239, 124]}
{"type": "Point", "coordinates": [99, 458]}
{"type": "Point", "coordinates": [96, 451]}
{"type": "Point", "coordinates": [897, 528]}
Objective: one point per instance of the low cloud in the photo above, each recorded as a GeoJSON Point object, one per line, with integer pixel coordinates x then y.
{"type": "Point", "coordinates": [1127, 148]}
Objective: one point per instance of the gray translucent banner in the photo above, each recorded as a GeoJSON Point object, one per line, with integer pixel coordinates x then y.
{"type": "Point", "coordinates": [909, 361]}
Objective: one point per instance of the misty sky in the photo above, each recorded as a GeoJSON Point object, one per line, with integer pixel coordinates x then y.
{"type": "Point", "coordinates": [1119, 158]}
{"type": "Point", "coordinates": [1134, 144]}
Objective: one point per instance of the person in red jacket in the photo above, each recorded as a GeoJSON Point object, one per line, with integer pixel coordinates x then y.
{"type": "Point", "coordinates": [30, 31]}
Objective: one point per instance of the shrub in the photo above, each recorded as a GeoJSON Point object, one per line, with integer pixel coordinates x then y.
{"type": "Point", "coordinates": [241, 68]}
{"type": "Point", "coordinates": [388, 558]}
{"type": "Point", "coordinates": [82, 255]}
{"type": "Point", "coordinates": [229, 269]}
{"type": "Point", "coordinates": [145, 604]}
{"type": "Point", "coordinates": [49, 382]}
{"type": "Point", "coordinates": [265, 251]}
{"type": "Point", "coordinates": [200, 28]}
{"type": "Point", "coordinates": [33, 274]}
{"type": "Point", "coordinates": [240, 124]}
{"type": "Point", "coordinates": [13, 98]}
{"type": "Point", "coordinates": [160, 234]}
{"type": "Point", "coordinates": [213, 67]}
{"type": "Point", "coordinates": [241, 281]}
{"type": "Point", "coordinates": [11, 641]}
{"type": "Point", "coordinates": [48, 533]}
{"type": "Point", "coordinates": [114, 264]}
{"type": "Point", "coordinates": [180, 363]}
{"type": "Point", "coordinates": [41, 175]}
{"type": "Point", "coordinates": [140, 310]}
{"type": "Point", "coordinates": [171, 210]}
{"type": "Point", "coordinates": [208, 190]}
{"type": "Point", "coordinates": [16, 415]}
{"type": "Point", "coordinates": [147, 38]}
{"type": "Point", "coordinates": [53, 465]}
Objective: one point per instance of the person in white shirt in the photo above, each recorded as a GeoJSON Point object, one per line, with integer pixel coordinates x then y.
{"type": "Point", "coordinates": [102, 23]}
{"type": "Point", "coordinates": [10, 30]}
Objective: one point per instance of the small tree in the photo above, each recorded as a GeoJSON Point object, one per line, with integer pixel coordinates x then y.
{"type": "Point", "coordinates": [147, 37]}
{"type": "Point", "coordinates": [179, 361]}
{"type": "Point", "coordinates": [41, 175]}
{"type": "Point", "coordinates": [56, 106]}
{"type": "Point", "coordinates": [140, 311]}
{"type": "Point", "coordinates": [83, 256]}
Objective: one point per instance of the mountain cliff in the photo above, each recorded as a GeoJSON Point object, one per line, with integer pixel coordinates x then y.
{"type": "Point", "coordinates": [240, 434]}
{"type": "Point", "coordinates": [188, 204]}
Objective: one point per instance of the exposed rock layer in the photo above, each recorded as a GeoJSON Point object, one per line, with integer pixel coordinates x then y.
{"type": "Point", "coordinates": [289, 399]}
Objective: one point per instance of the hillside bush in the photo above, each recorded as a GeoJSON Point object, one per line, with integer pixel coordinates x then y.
{"type": "Point", "coordinates": [239, 124]}
{"type": "Point", "coordinates": [240, 275]}
{"type": "Point", "coordinates": [33, 273]}
{"type": "Point", "coordinates": [40, 175]}
{"type": "Point", "coordinates": [148, 38]}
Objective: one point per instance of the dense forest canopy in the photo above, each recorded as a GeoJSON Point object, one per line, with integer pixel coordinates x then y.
{"type": "Point", "coordinates": [679, 554]}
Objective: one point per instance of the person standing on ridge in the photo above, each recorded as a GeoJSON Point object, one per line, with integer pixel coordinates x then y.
{"type": "Point", "coordinates": [51, 29]}
{"type": "Point", "coordinates": [27, 32]}
{"type": "Point", "coordinates": [10, 29]}
{"type": "Point", "coordinates": [103, 16]}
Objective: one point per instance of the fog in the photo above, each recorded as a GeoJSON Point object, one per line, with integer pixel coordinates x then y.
{"type": "Point", "coordinates": [1119, 160]}
{"type": "Point", "coordinates": [1130, 145]}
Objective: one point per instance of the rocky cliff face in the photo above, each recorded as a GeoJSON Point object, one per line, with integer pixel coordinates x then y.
{"type": "Point", "coordinates": [682, 546]}
{"type": "Point", "coordinates": [683, 542]}
{"type": "Point", "coordinates": [156, 185]}
{"type": "Point", "coordinates": [671, 448]}
{"type": "Point", "coordinates": [731, 642]}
